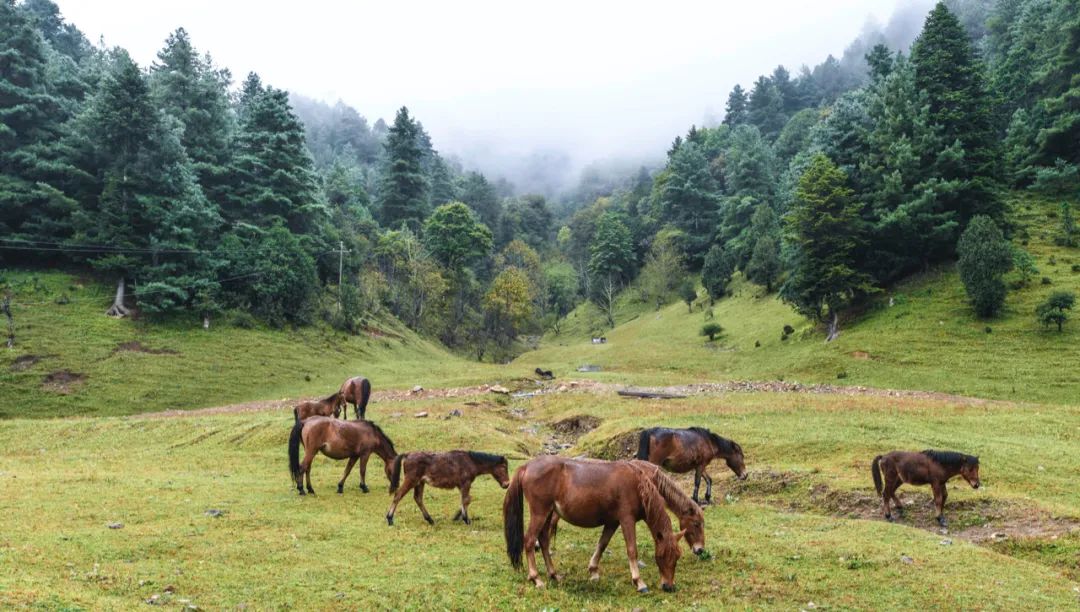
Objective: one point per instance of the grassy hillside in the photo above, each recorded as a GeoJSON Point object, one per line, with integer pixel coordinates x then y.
{"type": "Point", "coordinates": [920, 334]}
{"type": "Point", "coordinates": [783, 538]}
{"type": "Point", "coordinates": [71, 359]}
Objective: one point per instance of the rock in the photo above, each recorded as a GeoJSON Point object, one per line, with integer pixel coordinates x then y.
{"type": "Point", "coordinates": [170, 589]}
{"type": "Point", "coordinates": [946, 542]}
{"type": "Point", "coordinates": [906, 559]}
{"type": "Point", "coordinates": [396, 415]}
{"type": "Point", "coordinates": [588, 368]}
{"type": "Point", "coordinates": [997, 535]}
{"type": "Point", "coordinates": [810, 605]}
{"type": "Point", "coordinates": [115, 525]}
{"type": "Point", "coordinates": [214, 513]}
{"type": "Point", "coordinates": [640, 563]}
{"type": "Point", "coordinates": [153, 599]}
{"type": "Point", "coordinates": [421, 415]}
{"type": "Point", "coordinates": [456, 413]}
{"type": "Point", "coordinates": [501, 390]}
{"type": "Point", "coordinates": [417, 389]}
{"type": "Point", "coordinates": [562, 389]}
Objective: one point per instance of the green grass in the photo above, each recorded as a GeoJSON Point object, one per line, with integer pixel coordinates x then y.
{"type": "Point", "coordinates": [224, 364]}
{"type": "Point", "coordinates": [928, 339]}
{"type": "Point", "coordinates": [62, 481]}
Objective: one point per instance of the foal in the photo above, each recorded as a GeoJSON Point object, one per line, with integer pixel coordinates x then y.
{"type": "Point", "coordinates": [928, 467]}
{"type": "Point", "coordinates": [328, 406]}
{"type": "Point", "coordinates": [352, 440]}
{"type": "Point", "coordinates": [454, 469]}
{"type": "Point", "coordinates": [682, 450]}
{"type": "Point", "coordinates": [358, 391]}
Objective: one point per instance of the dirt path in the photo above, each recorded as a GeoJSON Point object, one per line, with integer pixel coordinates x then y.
{"type": "Point", "coordinates": [528, 388]}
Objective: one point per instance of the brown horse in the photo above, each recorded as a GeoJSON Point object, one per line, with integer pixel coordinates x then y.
{"type": "Point", "coordinates": [337, 439]}
{"type": "Point", "coordinates": [930, 467]}
{"type": "Point", "coordinates": [608, 494]}
{"type": "Point", "coordinates": [328, 406]}
{"type": "Point", "coordinates": [358, 391]}
{"type": "Point", "coordinates": [454, 469]}
{"type": "Point", "coordinates": [682, 450]}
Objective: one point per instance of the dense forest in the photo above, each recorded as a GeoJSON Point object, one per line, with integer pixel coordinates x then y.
{"type": "Point", "coordinates": [205, 198]}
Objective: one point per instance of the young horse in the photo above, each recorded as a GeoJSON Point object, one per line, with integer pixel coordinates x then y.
{"type": "Point", "coordinates": [682, 450]}
{"type": "Point", "coordinates": [608, 494]}
{"type": "Point", "coordinates": [329, 405]}
{"type": "Point", "coordinates": [928, 467]}
{"type": "Point", "coordinates": [445, 471]}
{"type": "Point", "coordinates": [358, 391]}
{"type": "Point", "coordinates": [336, 439]}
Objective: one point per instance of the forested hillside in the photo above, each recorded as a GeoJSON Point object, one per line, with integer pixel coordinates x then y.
{"type": "Point", "coordinates": [198, 195]}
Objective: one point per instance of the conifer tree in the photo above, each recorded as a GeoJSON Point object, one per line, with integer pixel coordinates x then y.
{"type": "Point", "coordinates": [403, 187]}
{"type": "Point", "coordinates": [735, 111]}
{"type": "Point", "coordinates": [689, 199]}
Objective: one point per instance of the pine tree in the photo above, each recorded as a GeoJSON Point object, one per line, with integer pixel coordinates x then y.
{"type": "Point", "coordinates": [480, 195]}
{"type": "Point", "coordinates": [735, 111]}
{"type": "Point", "coordinates": [766, 108]}
{"type": "Point", "coordinates": [403, 188]}
{"type": "Point", "coordinates": [825, 230]}
{"type": "Point", "coordinates": [689, 199]}
{"type": "Point", "coordinates": [985, 257]}
{"type": "Point", "coordinates": [1059, 139]}
{"type": "Point", "coordinates": [716, 271]}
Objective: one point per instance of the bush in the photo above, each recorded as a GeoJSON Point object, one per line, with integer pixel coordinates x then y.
{"type": "Point", "coordinates": [985, 257]}
{"type": "Point", "coordinates": [712, 330]}
{"type": "Point", "coordinates": [1046, 280]}
{"type": "Point", "coordinates": [242, 319]}
{"type": "Point", "coordinates": [1076, 268]}
{"type": "Point", "coordinates": [1054, 310]}
{"type": "Point", "coordinates": [1063, 178]}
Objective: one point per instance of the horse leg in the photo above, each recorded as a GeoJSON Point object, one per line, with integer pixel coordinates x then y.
{"type": "Point", "coordinates": [363, 471]}
{"type": "Point", "coordinates": [406, 484]}
{"type": "Point", "coordinates": [537, 521]}
{"type": "Point", "coordinates": [892, 483]}
{"type": "Point", "coordinates": [940, 495]}
{"type": "Point", "coordinates": [418, 495]}
{"type": "Point", "coordinates": [545, 549]}
{"type": "Point", "coordinates": [305, 471]}
{"type": "Point", "coordinates": [594, 562]}
{"type": "Point", "coordinates": [465, 499]}
{"type": "Point", "coordinates": [348, 468]}
{"type": "Point", "coordinates": [363, 411]}
{"type": "Point", "coordinates": [697, 484]}
{"type": "Point", "coordinates": [629, 532]}
{"type": "Point", "coordinates": [708, 485]}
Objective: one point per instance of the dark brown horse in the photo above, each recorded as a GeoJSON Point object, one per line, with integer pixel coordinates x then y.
{"type": "Point", "coordinates": [352, 440]}
{"type": "Point", "coordinates": [328, 406]}
{"type": "Point", "coordinates": [589, 493]}
{"type": "Point", "coordinates": [454, 469]}
{"type": "Point", "coordinates": [358, 391]}
{"type": "Point", "coordinates": [930, 467]}
{"type": "Point", "coordinates": [682, 450]}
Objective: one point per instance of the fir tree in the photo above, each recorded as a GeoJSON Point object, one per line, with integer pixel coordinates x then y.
{"type": "Point", "coordinates": [735, 111]}
{"type": "Point", "coordinates": [689, 199]}
{"type": "Point", "coordinates": [403, 188]}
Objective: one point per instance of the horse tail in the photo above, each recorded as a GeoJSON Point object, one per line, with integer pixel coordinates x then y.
{"type": "Point", "coordinates": [395, 476]}
{"type": "Point", "coordinates": [875, 469]}
{"type": "Point", "coordinates": [365, 395]}
{"type": "Point", "coordinates": [294, 448]}
{"type": "Point", "coordinates": [643, 445]}
{"type": "Point", "coordinates": [296, 413]}
{"type": "Point", "coordinates": [514, 519]}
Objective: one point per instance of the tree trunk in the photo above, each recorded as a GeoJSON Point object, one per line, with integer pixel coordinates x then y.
{"type": "Point", "coordinates": [118, 309]}
{"type": "Point", "coordinates": [834, 326]}
{"type": "Point", "coordinates": [206, 321]}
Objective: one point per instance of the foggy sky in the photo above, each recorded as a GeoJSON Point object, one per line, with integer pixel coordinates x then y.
{"type": "Point", "coordinates": [496, 80]}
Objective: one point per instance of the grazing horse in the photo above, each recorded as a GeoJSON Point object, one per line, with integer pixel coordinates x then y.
{"type": "Point", "coordinates": [337, 439]}
{"type": "Point", "coordinates": [329, 405]}
{"type": "Point", "coordinates": [682, 450]}
{"type": "Point", "coordinates": [358, 391]}
{"type": "Point", "coordinates": [928, 467]}
{"type": "Point", "coordinates": [589, 493]}
{"type": "Point", "coordinates": [445, 471]}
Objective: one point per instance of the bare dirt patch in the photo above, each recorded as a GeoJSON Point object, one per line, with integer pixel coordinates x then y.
{"type": "Point", "coordinates": [25, 362]}
{"type": "Point", "coordinates": [135, 346]}
{"type": "Point", "coordinates": [568, 431]}
{"type": "Point", "coordinates": [63, 381]}
{"type": "Point", "coordinates": [620, 446]}
{"type": "Point", "coordinates": [861, 355]}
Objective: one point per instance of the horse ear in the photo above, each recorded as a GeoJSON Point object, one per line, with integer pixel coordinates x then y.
{"type": "Point", "coordinates": [679, 535]}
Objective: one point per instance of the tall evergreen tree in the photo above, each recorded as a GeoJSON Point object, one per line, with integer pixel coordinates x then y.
{"type": "Point", "coordinates": [1059, 140]}
{"type": "Point", "coordinates": [689, 200]}
{"type": "Point", "coordinates": [480, 195]}
{"type": "Point", "coordinates": [766, 108]}
{"type": "Point", "coordinates": [735, 111]}
{"type": "Point", "coordinates": [984, 257]}
{"type": "Point", "coordinates": [403, 188]}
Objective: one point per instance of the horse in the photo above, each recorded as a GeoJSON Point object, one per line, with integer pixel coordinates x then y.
{"type": "Point", "coordinates": [329, 405]}
{"type": "Point", "coordinates": [337, 439]}
{"type": "Point", "coordinates": [589, 493]}
{"type": "Point", "coordinates": [930, 467]}
{"type": "Point", "coordinates": [682, 450]}
{"type": "Point", "coordinates": [358, 391]}
{"type": "Point", "coordinates": [453, 469]}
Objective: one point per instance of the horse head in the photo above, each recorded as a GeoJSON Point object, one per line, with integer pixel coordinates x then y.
{"type": "Point", "coordinates": [667, 556]}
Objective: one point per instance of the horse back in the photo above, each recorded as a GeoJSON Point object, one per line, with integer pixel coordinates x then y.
{"type": "Point", "coordinates": [584, 493]}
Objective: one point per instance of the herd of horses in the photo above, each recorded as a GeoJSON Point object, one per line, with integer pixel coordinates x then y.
{"type": "Point", "coordinates": [591, 493]}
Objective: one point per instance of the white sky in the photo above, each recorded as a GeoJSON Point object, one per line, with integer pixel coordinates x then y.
{"type": "Point", "coordinates": [497, 78]}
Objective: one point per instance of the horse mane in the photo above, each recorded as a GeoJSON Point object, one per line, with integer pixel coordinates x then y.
{"type": "Point", "coordinates": [486, 459]}
{"type": "Point", "coordinates": [656, 515]}
{"type": "Point", "coordinates": [385, 438]}
{"type": "Point", "coordinates": [951, 459]}
{"type": "Point", "coordinates": [330, 397]}
{"type": "Point", "coordinates": [676, 500]}
{"type": "Point", "coordinates": [724, 445]}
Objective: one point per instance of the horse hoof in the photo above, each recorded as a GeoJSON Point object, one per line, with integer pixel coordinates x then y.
{"type": "Point", "coordinates": [364, 489]}
{"type": "Point", "coordinates": [539, 583]}
{"type": "Point", "coordinates": [340, 490]}
{"type": "Point", "coordinates": [643, 589]}
{"type": "Point", "coordinates": [302, 492]}
{"type": "Point", "coordinates": [466, 520]}
{"type": "Point", "coordinates": [668, 588]}
{"type": "Point", "coordinates": [889, 517]}
{"type": "Point", "coordinates": [430, 521]}
{"type": "Point", "coordinates": [594, 576]}
{"type": "Point", "coordinates": [389, 520]}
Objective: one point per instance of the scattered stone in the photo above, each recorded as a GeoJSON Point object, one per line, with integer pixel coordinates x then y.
{"type": "Point", "coordinates": [588, 368]}
{"type": "Point", "coordinates": [640, 563]}
{"type": "Point", "coordinates": [115, 525]}
{"type": "Point", "coordinates": [810, 605]}
{"type": "Point", "coordinates": [501, 390]}
{"type": "Point", "coordinates": [170, 589]}
{"type": "Point", "coordinates": [562, 389]}
{"type": "Point", "coordinates": [153, 599]}
{"type": "Point", "coordinates": [946, 542]}
{"type": "Point", "coordinates": [456, 413]}
{"type": "Point", "coordinates": [421, 415]}
{"type": "Point", "coordinates": [417, 389]}
{"type": "Point", "coordinates": [906, 559]}
{"type": "Point", "coordinates": [214, 513]}
{"type": "Point", "coordinates": [997, 535]}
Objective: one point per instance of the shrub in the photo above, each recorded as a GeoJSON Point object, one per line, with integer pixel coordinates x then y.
{"type": "Point", "coordinates": [985, 257]}
{"type": "Point", "coordinates": [1076, 268]}
{"type": "Point", "coordinates": [712, 330]}
{"type": "Point", "coordinates": [242, 319]}
{"type": "Point", "coordinates": [1054, 309]}
{"type": "Point", "coordinates": [1046, 280]}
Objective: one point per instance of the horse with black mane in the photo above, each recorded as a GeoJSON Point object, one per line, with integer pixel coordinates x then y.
{"type": "Point", "coordinates": [352, 440]}
{"type": "Point", "coordinates": [682, 450]}
{"type": "Point", "coordinates": [328, 406]}
{"type": "Point", "coordinates": [358, 391]}
{"type": "Point", "coordinates": [593, 493]}
{"type": "Point", "coordinates": [930, 467]}
{"type": "Point", "coordinates": [453, 469]}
